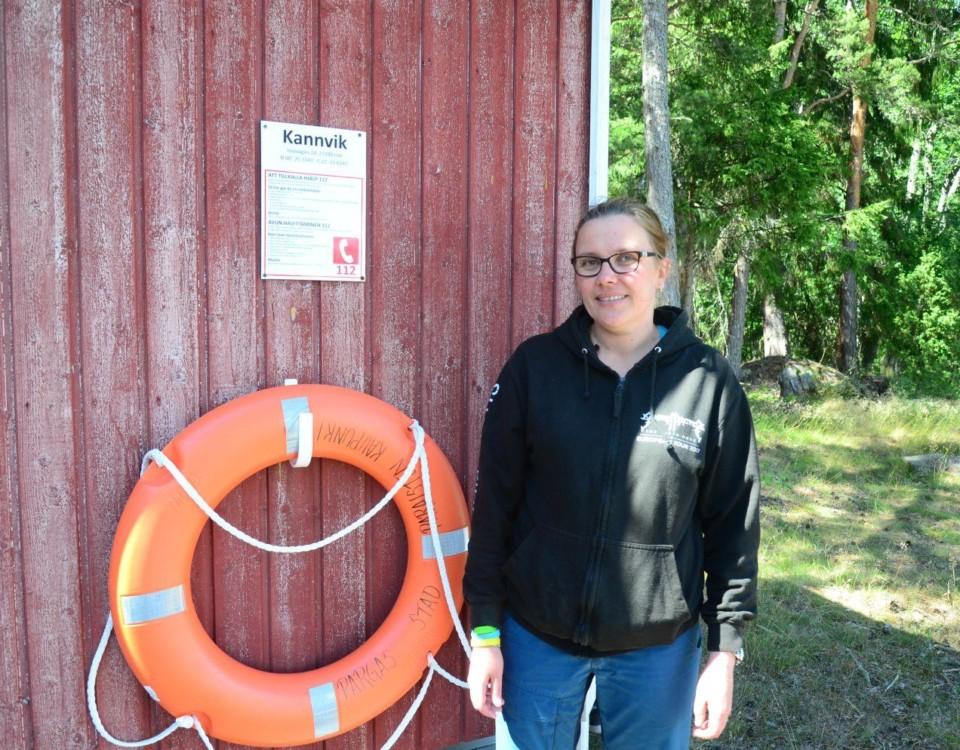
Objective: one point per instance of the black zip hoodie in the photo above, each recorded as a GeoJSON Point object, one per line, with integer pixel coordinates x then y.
{"type": "Point", "coordinates": [602, 502]}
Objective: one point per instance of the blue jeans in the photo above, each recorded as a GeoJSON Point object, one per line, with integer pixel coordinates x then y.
{"type": "Point", "coordinates": [645, 696]}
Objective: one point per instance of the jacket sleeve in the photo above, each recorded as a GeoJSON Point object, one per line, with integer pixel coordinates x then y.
{"type": "Point", "coordinates": [729, 506]}
{"type": "Point", "coordinates": [500, 483]}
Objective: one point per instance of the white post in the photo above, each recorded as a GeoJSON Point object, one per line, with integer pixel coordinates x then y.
{"type": "Point", "coordinates": [584, 743]}
{"type": "Point", "coordinates": [503, 741]}
{"type": "Point", "coordinates": [599, 101]}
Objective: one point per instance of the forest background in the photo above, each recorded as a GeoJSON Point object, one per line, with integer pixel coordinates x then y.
{"type": "Point", "coordinates": [816, 165]}
{"type": "Point", "coordinates": [813, 181]}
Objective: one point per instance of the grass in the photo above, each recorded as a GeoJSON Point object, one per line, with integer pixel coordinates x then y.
{"type": "Point", "coordinates": [858, 640]}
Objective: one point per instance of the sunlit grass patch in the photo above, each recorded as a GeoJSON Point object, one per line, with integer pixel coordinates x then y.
{"type": "Point", "coordinates": [858, 641]}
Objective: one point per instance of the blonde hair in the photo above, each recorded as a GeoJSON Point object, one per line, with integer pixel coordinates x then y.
{"type": "Point", "coordinates": [641, 213]}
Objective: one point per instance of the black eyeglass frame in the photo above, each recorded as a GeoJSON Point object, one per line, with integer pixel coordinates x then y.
{"type": "Point", "coordinates": [641, 254]}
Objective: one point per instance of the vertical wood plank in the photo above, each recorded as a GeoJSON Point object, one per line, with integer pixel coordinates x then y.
{"type": "Point", "coordinates": [534, 181]}
{"type": "Point", "coordinates": [345, 55]}
{"type": "Point", "coordinates": [477, 119]}
{"type": "Point", "coordinates": [232, 71]}
{"type": "Point", "coordinates": [111, 300]}
{"type": "Point", "coordinates": [395, 279]}
{"type": "Point", "coordinates": [443, 279]}
{"type": "Point", "coordinates": [292, 341]}
{"type": "Point", "coordinates": [489, 271]}
{"type": "Point", "coordinates": [15, 715]}
{"type": "Point", "coordinates": [41, 131]}
{"type": "Point", "coordinates": [573, 138]}
{"type": "Point", "coordinates": [174, 269]}
{"type": "Point", "coordinates": [173, 207]}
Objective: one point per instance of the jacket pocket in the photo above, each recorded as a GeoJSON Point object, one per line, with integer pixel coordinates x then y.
{"type": "Point", "coordinates": [639, 597]}
{"type": "Point", "coordinates": [544, 577]}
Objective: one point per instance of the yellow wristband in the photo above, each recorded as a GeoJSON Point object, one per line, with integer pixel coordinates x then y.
{"type": "Point", "coordinates": [485, 642]}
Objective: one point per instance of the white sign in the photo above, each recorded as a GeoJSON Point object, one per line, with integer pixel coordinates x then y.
{"type": "Point", "coordinates": [313, 191]}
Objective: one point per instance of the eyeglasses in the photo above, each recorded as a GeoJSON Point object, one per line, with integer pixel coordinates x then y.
{"type": "Point", "coordinates": [625, 262]}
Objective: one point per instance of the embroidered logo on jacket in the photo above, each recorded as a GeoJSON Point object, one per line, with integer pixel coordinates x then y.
{"type": "Point", "coordinates": [672, 429]}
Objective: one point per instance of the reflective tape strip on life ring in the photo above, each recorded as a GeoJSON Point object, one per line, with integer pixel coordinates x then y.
{"type": "Point", "coordinates": [157, 626]}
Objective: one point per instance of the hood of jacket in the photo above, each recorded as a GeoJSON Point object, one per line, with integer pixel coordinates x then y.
{"type": "Point", "coordinates": [575, 331]}
{"type": "Point", "coordinates": [575, 335]}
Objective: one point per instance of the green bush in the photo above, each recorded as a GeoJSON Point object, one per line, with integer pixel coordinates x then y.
{"type": "Point", "coordinates": [929, 344]}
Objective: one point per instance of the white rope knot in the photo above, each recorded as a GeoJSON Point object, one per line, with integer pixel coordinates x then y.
{"type": "Point", "coordinates": [418, 457]}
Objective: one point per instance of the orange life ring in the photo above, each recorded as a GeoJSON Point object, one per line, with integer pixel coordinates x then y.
{"type": "Point", "coordinates": [157, 626]}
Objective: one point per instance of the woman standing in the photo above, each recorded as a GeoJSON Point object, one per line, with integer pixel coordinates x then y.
{"type": "Point", "coordinates": [618, 472]}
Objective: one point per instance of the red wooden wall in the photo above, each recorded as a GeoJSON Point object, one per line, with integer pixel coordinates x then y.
{"type": "Point", "coordinates": [131, 303]}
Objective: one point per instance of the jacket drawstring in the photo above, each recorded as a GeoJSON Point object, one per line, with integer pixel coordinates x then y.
{"type": "Point", "coordinates": [585, 353]}
{"type": "Point", "coordinates": [653, 387]}
{"type": "Point", "coordinates": [586, 372]}
{"type": "Point", "coordinates": [653, 379]}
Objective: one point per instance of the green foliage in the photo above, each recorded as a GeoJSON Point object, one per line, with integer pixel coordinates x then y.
{"type": "Point", "coordinates": [929, 323]}
{"type": "Point", "coordinates": [864, 226]}
{"type": "Point", "coordinates": [893, 91]}
{"type": "Point", "coordinates": [762, 170]}
{"type": "Point", "coordinates": [626, 142]}
{"type": "Point", "coordinates": [846, 48]}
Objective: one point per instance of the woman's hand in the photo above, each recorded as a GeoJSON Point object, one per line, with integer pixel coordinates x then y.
{"type": "Point", "coordinates": [714, 699]}
{"type": "Point", "coordinates": [485, 679]}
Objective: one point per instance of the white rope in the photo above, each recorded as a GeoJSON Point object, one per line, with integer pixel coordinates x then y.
{"type": "Point", "coordinates": [411, 712]}
{"type": "Point", "coordinates": [435, 537]}
{"type": "Point", "coordinates": [419, 455]}
{"type": "Point", "coordinates": [421, 694]}
{"type": "Point", "coordinates": [160, 458]}
{"type": "Point", "coordinates": [181, 722]}
{"type": "Point", "coordinates": [203, 735]}
{"type": "Point", "coordinates": [434, 664]}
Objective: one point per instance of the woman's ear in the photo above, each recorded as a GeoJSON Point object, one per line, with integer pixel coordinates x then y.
{"type": "Point", "coordinates": [664, 271]}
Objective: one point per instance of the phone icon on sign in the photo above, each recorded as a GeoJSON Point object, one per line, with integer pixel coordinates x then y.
{"type": "Point", "coordinates": [346, 250]}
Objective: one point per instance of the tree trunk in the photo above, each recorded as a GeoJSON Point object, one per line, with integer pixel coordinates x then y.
{"type": "Point", "coordinates": [949, 188]}
{"type": "Point", "coordinates": [656, 122]}
{"type": "Point", "coordinates": [849, 301]}
{"type": "Point", "coordinates": [774, 330]}
{"type": "Point", "coordinates": [780, 19]}
{"type": "Point", "coordinates": [738, 312]}
{"type": "Point", "coordinates": [848, 319]}
{"type": "Point", "coordinates": [798, 44]}
{"type": "Point", "coordinates": [914, 167]}
{"type": "Point", "coordinates": [921, 148]}
{"type": "Point", "coordinates": [688, 279]}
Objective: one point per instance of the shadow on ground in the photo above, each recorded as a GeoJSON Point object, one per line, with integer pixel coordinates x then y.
{"type": "Point", "coordinates": [820, 676]}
